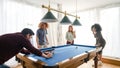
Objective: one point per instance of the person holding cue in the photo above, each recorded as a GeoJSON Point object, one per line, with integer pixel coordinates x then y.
{"type": "Point", "coordinates": [13, 43]}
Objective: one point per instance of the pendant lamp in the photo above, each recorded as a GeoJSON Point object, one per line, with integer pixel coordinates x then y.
{"type": "Point", "coordinates": [49, 17]}
{"type": "Point", "coordinates": [76, 21]}
{"type": "Point", "coordinates": [65, 20]}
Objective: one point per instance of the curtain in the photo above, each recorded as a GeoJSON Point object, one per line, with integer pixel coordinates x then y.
{"type": "Point", "coordinates": [15, 16]}
{"type": "Point", "coordinates": [110, 21]}
{"type": "Point", "coordinates": [52, 34]}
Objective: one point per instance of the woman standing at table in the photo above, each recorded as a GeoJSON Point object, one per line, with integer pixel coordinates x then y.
{"type": "Point", "coordinates": [41, 37]}
{"type": "Point", "coordinates": [70, 35]}
{"type": "Point", "coordinates": [100, 41]}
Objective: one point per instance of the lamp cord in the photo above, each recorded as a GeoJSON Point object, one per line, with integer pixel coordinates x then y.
{"type": "Point", "coordinates": [76, 7]}
{"type": "Point", "coordinates": [49, 2]}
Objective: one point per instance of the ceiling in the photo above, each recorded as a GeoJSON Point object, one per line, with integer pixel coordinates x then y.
{"type": "Point", "coordinates": [70, 5]}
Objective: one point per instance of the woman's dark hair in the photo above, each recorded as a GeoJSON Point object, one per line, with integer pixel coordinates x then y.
{"type": "Point", "coordinates": [26, 31]}
{"type": "Point", "coordinates": [97, 27]}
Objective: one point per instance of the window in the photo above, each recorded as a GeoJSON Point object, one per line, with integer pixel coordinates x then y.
{"type": "Point", "coordinates": [110, 22]}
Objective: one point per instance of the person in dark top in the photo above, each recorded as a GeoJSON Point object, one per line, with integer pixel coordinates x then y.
{"type": "Point", "coordinates": [13, 43]}
{"type": "Point", "coordinates": [100, 41]}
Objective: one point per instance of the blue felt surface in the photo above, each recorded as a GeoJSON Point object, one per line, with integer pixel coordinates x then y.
{"type": "Point", "coordinates": [63, 52]}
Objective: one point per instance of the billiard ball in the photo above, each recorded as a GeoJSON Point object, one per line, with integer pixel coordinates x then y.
{"type": "Point", "coordinates": [76, 47]}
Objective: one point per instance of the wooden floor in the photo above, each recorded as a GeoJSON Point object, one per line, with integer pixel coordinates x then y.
{"type": "Point", "coordinates": [90, 63]}
{"type": "Point", "coordinates": [86, 65]}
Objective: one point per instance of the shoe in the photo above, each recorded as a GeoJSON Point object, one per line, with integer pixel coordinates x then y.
{"type": "Point", "coordinates": [99, 64]}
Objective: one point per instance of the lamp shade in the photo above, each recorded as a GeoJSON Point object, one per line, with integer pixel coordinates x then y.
{"type": "Point", "coordinates": [65, 20]}
{"type": "Point", "coordinates": [76, 22]}
{"type": "Point", "coordinates": [49, 17]}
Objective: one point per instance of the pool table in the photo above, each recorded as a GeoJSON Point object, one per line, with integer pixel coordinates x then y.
{"type": "Point", "coordinates": [65, 56]}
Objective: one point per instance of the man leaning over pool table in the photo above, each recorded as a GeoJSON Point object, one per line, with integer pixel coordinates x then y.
{"type": "Point", "coordinates": [13, 43]}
